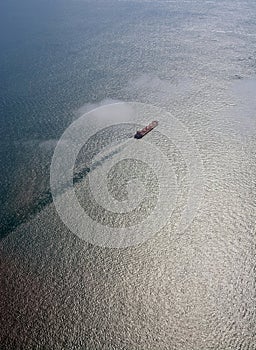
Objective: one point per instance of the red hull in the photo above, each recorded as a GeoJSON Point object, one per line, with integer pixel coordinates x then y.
{"type": "Point", "coordinates": [140, 133]}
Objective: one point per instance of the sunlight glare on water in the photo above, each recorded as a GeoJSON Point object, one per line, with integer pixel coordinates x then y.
{"type": "Point", "coordinates": [188, 287]}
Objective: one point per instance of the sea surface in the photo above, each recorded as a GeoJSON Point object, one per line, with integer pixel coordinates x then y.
{"type": "Point", "coordinates": [190, 288]}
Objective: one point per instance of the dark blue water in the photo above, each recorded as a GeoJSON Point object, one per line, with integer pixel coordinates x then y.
{"type": "Point", "coordinates": [52, 61]}
{"type": "Point", "coordinates": [54, 58]}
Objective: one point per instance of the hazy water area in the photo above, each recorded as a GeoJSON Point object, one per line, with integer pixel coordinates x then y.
{"type": "Point", "coordinates": [192, 66]}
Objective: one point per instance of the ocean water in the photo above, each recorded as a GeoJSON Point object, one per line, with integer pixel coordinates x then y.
{"type": "Point", "coordinates": [190, 288]}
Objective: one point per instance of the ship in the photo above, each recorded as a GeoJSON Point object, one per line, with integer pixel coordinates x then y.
{"type": "Point", "coordinates": [140, 133]}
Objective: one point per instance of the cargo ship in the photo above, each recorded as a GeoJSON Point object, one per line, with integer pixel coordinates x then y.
{"type": "Point", "coordinates": [140, 133]}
